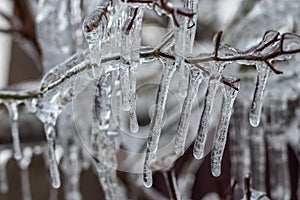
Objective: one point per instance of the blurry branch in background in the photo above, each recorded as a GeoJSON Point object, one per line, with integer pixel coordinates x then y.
{"type": "Point", "coordinates": [23, 23]}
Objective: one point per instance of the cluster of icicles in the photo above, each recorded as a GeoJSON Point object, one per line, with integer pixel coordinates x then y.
{"type": "Point", "coordinates": [113, 33]}
{"type": "Point", "coordinates": [98, 28]}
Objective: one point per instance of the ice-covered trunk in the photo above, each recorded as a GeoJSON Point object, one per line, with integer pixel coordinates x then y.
{"type": "Point", "coordinates": [24, 164]}
{"type": "Point", "coordinates": [239, 145]}
{"type": "Point", "coordinates": [205, 117]}
{"type": "Point", "coordinates": [195, 78]}
{"type": "Point", "coordinates": [263, 72]}
{"type": "Point", "coordinates": [12, 107]}
{"type": "Point", "coordinates": [156, 121]}
{"type": "Point", "coordinates": [277, 150]}
{"type": "Point", "coordinates": [229, 96]}
{"type": "Point", "coordinates": [5, 156]}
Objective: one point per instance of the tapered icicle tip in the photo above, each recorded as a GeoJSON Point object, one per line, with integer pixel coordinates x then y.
{"type": "Point", "coordinates": [134, 128]}
{"type": "Point", "coordinates": [148, 181]}
{"type": "Point", "coordinates": [56, 183]}
{"type": "Point", "coordinates": [147, 177]}
{"type": "Point", "coordinates": [198, 154]}
{"type": "Point", "coordinates": [18, 155]}
{"type": "Point", "coordinates": [254, 120]}
{"type": "Point", "coordinates": [216, 170]}
{"type": "Point", "coordinates": [179, 151]}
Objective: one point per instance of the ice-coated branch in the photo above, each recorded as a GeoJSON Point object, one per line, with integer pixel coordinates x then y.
{"type": "Point", "coordinates": [280, 45]}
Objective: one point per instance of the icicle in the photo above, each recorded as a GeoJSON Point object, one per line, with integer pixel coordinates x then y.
{"type": "Point", "coordinates": [195, 79]}
{"type": "Point", "coordinates": [131, 42]}
{"type": "Point", "coordinates": [25, 180]}
{"type": "Point", "coordinates": [125, 86]}
{"type": "Point", "coordinates": [94, 29]}
{"type": "Point", "coordinates": [229, 96]}
{"type": "Point", "coordinates": [12, 108]}
{"type": "Point", "coordinates": [5, 156]}
{"type": "Point", "coordinates": [190, 25]}
{"type": "Point", "coordinates": [257, 102]}
{"type": "Point", "coordinates": [54, 172]}
{"type": "Point", "coordinates": [134, 126]}
{"type": "Point", "coordinates": [205, 118]}
{"type": "Point", "coordinates": [185, 37]}
{"type": "Point", "coordinates": [156, 120]}
{"type": "Point", "coordinates": [104, 153]}
{"type": "Point", "coordinates": [103, 100]}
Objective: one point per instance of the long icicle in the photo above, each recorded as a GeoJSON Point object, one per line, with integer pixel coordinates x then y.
{"type": "Point", "coordinates": [257, 102]}
{"type": "Point", "coordinates": [12, 108]}
{"type": "Point", "coordinates": [156, 120]}
{"type": "Point", "coordinates": [131, 42]}
{"type": "Point", "coordinates": [229, 96]}
{"type": "Point", "coordinates": [103, 149]}
{"type": "Point", "coordinates": [195, 79]}
{"type": "Point", "coordinates": [53, 167]}
{"type": "Point", "coordinates": [205, 118]}
{"type": "Point", "coordinates": [185, 38]}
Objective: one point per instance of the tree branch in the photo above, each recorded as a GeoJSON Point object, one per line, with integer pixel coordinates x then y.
{"type": "Point", "coordinates": [150, 53]}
